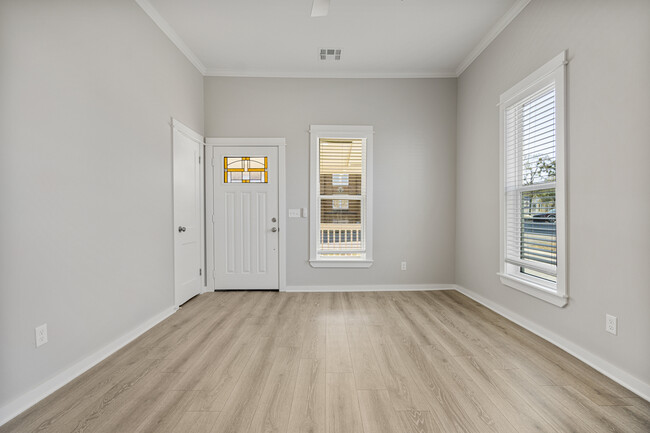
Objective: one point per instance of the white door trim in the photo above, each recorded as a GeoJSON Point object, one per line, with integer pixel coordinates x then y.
{"type": "Point", "coordinates": [257, 142]}
{"type": "Point", "coordinates": [190, 133]}
{"type": "Point", "coordinates": [198, 138]}
{"type": "Point", "coordinates": [280, 143]}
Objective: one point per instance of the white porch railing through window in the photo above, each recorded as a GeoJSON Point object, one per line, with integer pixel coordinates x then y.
{"type": "Point", "coordinates": [343, 239]}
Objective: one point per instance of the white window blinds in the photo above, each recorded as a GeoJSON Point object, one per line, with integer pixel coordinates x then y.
{"type": "Point", "coordinates": [530, 184]}
{"type": "Point", "coordinates": [341, 198]}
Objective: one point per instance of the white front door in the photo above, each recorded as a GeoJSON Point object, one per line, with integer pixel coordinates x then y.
{"type": "Point", "coordinates": [245, 217]}
{"type": "Point", "coordinates": [187, 215]}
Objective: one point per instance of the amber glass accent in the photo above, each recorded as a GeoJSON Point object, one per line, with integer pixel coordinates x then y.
{"type": "Point", "coordinates": [245, 169]}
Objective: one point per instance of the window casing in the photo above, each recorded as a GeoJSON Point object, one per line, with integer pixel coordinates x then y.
{"type": "Point", "coordinates": [532, 174]}
{"type": "Point", "coordinates": [341, 196]}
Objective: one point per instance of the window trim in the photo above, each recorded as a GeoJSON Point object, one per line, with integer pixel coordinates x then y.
{"type": "Point", "coordinates": [338, 131]}
{"type": "Point", "coordinates": [553, 71]}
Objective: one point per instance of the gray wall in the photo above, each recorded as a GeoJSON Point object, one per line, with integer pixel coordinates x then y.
{"type": "Point", "coordinates": [608, 175]}
{"type": "Point", "coordinates": [414, 163]}
{"type": "Point", "coordinates": [87, 91]}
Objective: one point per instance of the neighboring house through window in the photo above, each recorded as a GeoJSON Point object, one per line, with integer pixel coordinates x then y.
{"type": "Point", "coordinates": [533, 239]}
{"type": "Point", "coordinates": [341, 196]}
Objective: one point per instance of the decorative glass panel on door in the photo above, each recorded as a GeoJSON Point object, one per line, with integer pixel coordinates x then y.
{"type": "Point", "coordinates": [245, 169]}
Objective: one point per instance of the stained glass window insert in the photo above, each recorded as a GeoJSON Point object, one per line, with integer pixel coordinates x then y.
{"type": "Point", "coordinates": [245, 169]}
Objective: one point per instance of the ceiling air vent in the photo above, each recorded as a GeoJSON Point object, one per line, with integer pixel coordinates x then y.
{"type": "Point", "coordinates": [330, 54]}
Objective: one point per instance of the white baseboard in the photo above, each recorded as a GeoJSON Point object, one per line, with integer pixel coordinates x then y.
{"type": "Point", "coordinates": [622, 377]}
{"type": "Point", "coordinates": [371, 288]}
{"type": "Point", "coordinates": [27, 400]}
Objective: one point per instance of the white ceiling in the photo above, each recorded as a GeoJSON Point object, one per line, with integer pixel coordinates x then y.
{"type": "Point", "coordinates": [379, 38]}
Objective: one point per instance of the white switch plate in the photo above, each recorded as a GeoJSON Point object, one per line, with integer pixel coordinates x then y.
{"type": "Point", "coordinates": [304, 212]}
{"type": "Point", "coordinates": [294, 213]}
{"type": "Point", "coordinates": [41, 334]}
{"type": "Point", "coordinates": [403, 266]}
{"type": "Point", "coordinates": [611, 324]}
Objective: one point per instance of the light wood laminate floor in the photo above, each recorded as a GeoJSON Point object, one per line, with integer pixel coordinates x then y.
{"type": "Point", "coordinates": [338, 363]}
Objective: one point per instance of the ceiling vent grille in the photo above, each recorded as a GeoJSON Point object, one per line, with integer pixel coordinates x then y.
{"type": "Point", "coordinates": [330, 54]}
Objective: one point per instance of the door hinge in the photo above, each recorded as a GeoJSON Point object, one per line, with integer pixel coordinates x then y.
{"type": "Point", "coordinates": [213, 161]}
{"type": "Point", "coordinates": [199, 159]}
{"type": "Point", "coordinates": [200, 272]}
{"type": "Point", "coordinates": [212, 218]}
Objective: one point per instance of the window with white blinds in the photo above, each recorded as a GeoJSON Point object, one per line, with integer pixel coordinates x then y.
{"type": "Point", "coordinates": [531, 241]}
{"type": "Point", "coordinates": [532, 116]}
{"type": "Point", "coordinates": [340, 211]}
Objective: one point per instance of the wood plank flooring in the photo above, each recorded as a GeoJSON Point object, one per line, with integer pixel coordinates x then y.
{"type": "Point", "coordinates": [401, 362]}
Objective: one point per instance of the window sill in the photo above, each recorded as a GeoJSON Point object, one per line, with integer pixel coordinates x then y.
{"type": "Point", "coordinates": [535, 290]}
{"type": "Point", "coordinates": [336, 263]}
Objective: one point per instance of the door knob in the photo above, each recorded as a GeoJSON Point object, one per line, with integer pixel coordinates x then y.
{"type": "Point", "coordinates": [273, 219]}
{"type": "Point", "coordinates": [274, 229]}
{"type": "Point", "coordinates": [181, 229]}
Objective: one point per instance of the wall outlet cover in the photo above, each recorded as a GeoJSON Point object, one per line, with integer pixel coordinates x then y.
{"type": "Point", "coordinates": [611, 324]}
{"type": "Point", "coordinates": [41, 334]}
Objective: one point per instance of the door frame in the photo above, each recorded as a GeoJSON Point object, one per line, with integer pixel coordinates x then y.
{"type": "Point", "coordinates": [280, 144]}
{"type": "Point", "coordinates": [199, 139]}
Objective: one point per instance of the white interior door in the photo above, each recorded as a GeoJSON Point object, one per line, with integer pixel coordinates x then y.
{"type": "Point", "coordinates": [245, 217]}
{"type": "Point", "coordinates": [188, 231]}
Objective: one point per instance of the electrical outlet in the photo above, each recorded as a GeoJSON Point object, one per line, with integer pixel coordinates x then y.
{"type": "Point", "coordinates": [304, 212]}
{"type": "Point", "coordinates": [41, 334]}
{"type": "Point", "coordinates": [611, 324]}
{"type": "Point", "coordinates": [403, 266]}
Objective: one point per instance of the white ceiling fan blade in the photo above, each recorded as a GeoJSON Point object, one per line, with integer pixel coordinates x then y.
{"type": "Point", "coordinates": [320, 8]}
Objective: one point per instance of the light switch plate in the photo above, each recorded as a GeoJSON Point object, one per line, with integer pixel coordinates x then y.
{"type": "Point", "coordinates": [294, 213]}
{"type": "Point", "coordinates": [304, 212]}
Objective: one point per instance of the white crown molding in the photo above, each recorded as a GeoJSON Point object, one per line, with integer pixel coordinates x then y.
{"type": "Point", "coordinates": [27, 400]}
{"type": "Point", "coordinates": [218, 72]}
{"type": "Point", "coordinates": [171, 34]}
{"type": "Point", "coordinates": [491, 35]}
{"type": "Point", "coordinates": [215, 72]}
{"type": "Point", "coordinates": [615, 373]}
